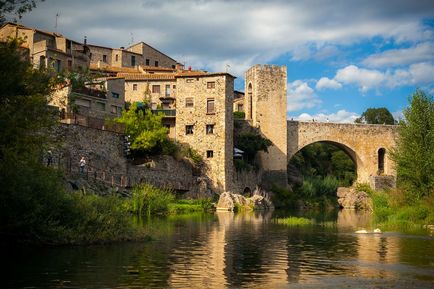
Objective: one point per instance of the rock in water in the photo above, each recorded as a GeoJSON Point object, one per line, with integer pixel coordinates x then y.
{"type": "Point", "coordinates": [351, 198]}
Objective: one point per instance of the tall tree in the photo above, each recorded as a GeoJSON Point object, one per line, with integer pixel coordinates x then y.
{"type": "Point", "coordinates": [379, 115]}
{"type": "Point", "coordinates": [414, 153]}
{"type": "Point", "coordinates": [16, 8]}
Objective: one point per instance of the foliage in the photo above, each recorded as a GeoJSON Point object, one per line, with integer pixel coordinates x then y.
{"type": "Point", "coordinates": [149, 200]}
{"type": "Point", "coordinates": [414, 153]}
{"type": "Point", "coordinates": [239, 115]}
{"type": "Point", "coordinates": [242, 165]}
{"type": "Point", "coordinates": [251, 143]}
{"type": "Point", "coordinates": [17, 7]}
{"type": "Point", "coordinates": [294, 221]}
{"type": "Point", "coordinates": [190, 206]}
{"type": "Point", "coordinates": [146, 131]}
{"type": "Point", "coordinates": [379, 115]}
{"type": "Point", "coordinates": [192, 154]}
{"type": "Point", "coordinates": [322, 159]}
{"type": "Point", "coordinates": [33, 204]}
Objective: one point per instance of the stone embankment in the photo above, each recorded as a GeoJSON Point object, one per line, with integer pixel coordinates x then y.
{"type": "Point", "coordinates": [351, 198]}
{"type": "Point", "coordinates": [232, 202]}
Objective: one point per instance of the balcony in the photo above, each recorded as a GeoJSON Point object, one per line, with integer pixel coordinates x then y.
{"type": "Point", "coordinates": [90, 92]}
{"type": "Point", "coordinates": [165, 112]}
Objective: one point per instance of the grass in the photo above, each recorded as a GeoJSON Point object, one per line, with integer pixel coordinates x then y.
{"type": "Point", "coordinates": [294, 221]}
{"type": "Point", "coordinates": [397, 210]}
{"type": "Point", "coordinates": [187, 206]}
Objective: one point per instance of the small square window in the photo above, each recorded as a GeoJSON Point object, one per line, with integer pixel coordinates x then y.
{"type": "Point", "coordinates": [189, 129]}
{"type": "Point", "coordinates": [189, 80]}
{"type": "Point", "coordinates": [210, 84]}
{"type": "Point", "coordinates": [210, 109]}
{"type": "Point", "coordinates": [209, 154]}
{"type": "Point", "coordinates": [115, 95]}
{"type": "Point", "coordinates": [133, 60]}
{"type": "Point", "coordinates": [117, 57]}
{"type": "Point", "coordinates": [156, 63]}
{"type": "Point", "coordinates": [155, 89]}
{"type": "Point", "coordinates": [147, 62]}
{"type": "Point", "coordinates": [209, 129]}
{"type": "Point", "coordinates": [134, 87]}
{"type": "Point", "coordinates": [104, 58]}
{"type": "Point", "coordinates": [189, 102]}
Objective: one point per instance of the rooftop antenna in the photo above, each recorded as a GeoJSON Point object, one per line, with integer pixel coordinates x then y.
{"type": "Point", "coordinates": [57, 17]}
{"type": "Point", "coordinates": [227, 67]}
{"type": "Point", "coordinates": [132, 38]}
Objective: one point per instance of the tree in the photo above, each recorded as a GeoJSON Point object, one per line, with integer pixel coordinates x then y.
{"type": "Point", "coordinates": [16, 7]}
{"type": "Point", "coordinates": [376, 116]}
{"type": "Point", "coordinates": [414, 153]}
{"type": "Point", "coordinates": [251, 143]}
{"type": "Point", "coordinates": [145, 129]}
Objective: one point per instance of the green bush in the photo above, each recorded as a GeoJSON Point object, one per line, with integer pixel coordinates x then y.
{"type": "Point", "coordinates": [185, 206]}
{"type": "Point", "coordinates": [149, 200]}
{"type": "Point", "coordinates": [294, 221]}
{"type": "Point", "coordinates": [239, 114]}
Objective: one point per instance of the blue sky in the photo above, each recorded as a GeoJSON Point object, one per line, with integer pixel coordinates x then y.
{"type": "Point", "coordinates": [342, 56]}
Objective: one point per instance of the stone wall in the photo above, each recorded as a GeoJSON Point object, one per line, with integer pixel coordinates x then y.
{"type": "Point", "coordinates": [246, 180]}
{"type": "Point", "coordinates": [215, 147]}
{"type": "Point", "coordinates": [266, 108]}
{"type": "Point", "coordinates": [361, 142]}
{"type": "Point", "coordinates": [152, 55]}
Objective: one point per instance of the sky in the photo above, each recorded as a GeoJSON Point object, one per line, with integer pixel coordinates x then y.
{"type": "Point", "coordinates": [342, 56]}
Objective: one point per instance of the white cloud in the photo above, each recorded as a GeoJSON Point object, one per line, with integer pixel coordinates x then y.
{"type": "Point", "coordinates": [364, 78]}
{"type": "Point", "coordinates": [301, 96]}
{"type": "Point", "coordinates": [219, 32]}
{"type": "Point", "coordinates": [422, 73]}
{"type": "Point", "coordinates": [326, 82]}
{"type": "Point", "coordinates": [395, 57]}
{"type": "Point", "coordinates": [341, 116]}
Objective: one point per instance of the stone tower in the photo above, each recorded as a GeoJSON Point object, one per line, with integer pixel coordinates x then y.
{"type": "Point", "coordinates": [265, 99]}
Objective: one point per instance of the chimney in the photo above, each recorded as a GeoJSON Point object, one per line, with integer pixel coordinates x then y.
{"type": "Point", "coordinates": [85, 40]}
{"type": "Point", "coordinates": [189, 68]}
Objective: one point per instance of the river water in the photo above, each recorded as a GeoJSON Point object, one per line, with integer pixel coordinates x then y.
{"type": "Point", "coordinates": [226, 250]}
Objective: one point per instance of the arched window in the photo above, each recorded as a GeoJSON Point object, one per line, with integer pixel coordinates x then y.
{"type": "Point", "coordinates": [381, 154]}
{"type": "Point", "coordinates": [250, 100]}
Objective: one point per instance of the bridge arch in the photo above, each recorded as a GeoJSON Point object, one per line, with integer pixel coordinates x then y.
{"type": "Point", "coordinates": [367, 145]}
{"type": "Point", "coordinates": [350, 152]}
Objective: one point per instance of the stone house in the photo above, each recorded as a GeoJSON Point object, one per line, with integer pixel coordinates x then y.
{"type": "Point", "coordinates": [48, 49]}
{"type": "Point", "coordinates": [91, 105]}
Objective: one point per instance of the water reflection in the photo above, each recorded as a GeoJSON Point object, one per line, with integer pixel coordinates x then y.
{"type": "Point", "coordinates": [234, 250]}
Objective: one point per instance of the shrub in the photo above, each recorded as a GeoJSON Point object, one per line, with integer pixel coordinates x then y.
{"type": "Point", "coordinates": [149, 200]}
{"type": "Point", "coordinates": [239, 114]}
{"type": "Point", "coordinates": [294, 221]}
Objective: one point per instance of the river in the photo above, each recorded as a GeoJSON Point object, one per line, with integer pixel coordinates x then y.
{"type": "Point", "coordinates": [226, 250]}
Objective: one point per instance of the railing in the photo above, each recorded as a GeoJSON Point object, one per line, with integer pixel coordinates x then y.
{"type": "Point", "coordinates": [90, 92]}
{"type": "Point", "coordinates": [166, 112]}
{"type": "Point", "coordinates": [92, 122]}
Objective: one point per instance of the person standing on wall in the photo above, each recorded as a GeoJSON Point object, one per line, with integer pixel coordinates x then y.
{"type": "Point", "coordinates": [82, 165]}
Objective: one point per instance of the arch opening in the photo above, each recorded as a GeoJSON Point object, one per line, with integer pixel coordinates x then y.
{"type": "Point", "coordinates": [318, 168]}
{"type": "Point", "coordinates": [381, 155]}
{"type": "Point", "coordinates": [247, 192]}
{"type": "Point", "coordinates": [250, 99]}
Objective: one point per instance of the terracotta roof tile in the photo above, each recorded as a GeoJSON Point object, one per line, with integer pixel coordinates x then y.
{"type": "Point", "coordinates": [141, 76]}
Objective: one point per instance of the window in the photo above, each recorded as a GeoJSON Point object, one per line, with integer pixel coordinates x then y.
{"type": "Point", "coordinates": [209, 129]}
{"type": "Point", "coordinates": [189, 80]}
{"type": "Point", "coordinates": [69, 64]}
{"type": "Point", "coordinates": [134, 87]}
{"type": "Point", "coordinates": [114, 109]}
{"type": "Point", "coordinates": [115, 95]}
{"type": "Point", "coordinates": [100, 106]}
{"type": "Point", "coordinates": [147, 62]}
{"type": "Point", "coordinates": [210, 106]}
{"type": "Point", "coordinates": [57, 65]}
{"type": "Point", "coordinates": [155, 89]}
{"type": "Point", "coordinates": [381, 154]}
{"type": "Point", "coordinates": [82, 102]}
{"type": "Point", "coordinates": [240, 107]}
{"type": "Point", "coordinates": [173, 66]}
{"type": "Point", "coordinates": [104, 58]}
{"type": "Point", "coordinates": [117, 57]}
{"type": "Point", "coordinates": [41, 61]}
{"type": "Point", "coordinates": [156, 63]}
{"type": "Point", "coordinates": [167, 90]}
{"type": "Point", "coordinates": [189, 129]}
{"type": "Point", "coordinates": [209, 154]}
{"type": "Point", "coordinates": [210, 84]}
{"type": "Point", "coordinates": [189, 102]}
{"type": "Point", "coordinates": [133, 60]}
{"type": "Point", "coordinates": [174, 86]}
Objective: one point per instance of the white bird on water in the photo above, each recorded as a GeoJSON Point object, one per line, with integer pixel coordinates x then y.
{"type": "Point", "coordinates": [376, 231]}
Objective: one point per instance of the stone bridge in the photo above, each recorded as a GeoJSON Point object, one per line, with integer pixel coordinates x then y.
{"type": "Point", "coordinates": [367, 145]}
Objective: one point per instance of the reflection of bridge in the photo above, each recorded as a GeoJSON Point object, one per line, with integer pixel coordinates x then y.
{"type": "Point", "coordinates": [367, 145]}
